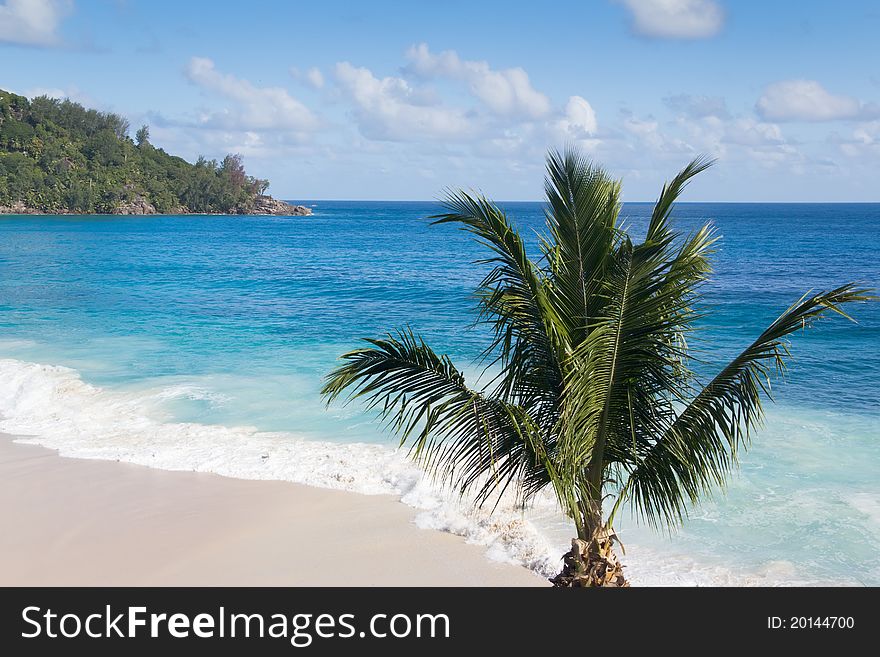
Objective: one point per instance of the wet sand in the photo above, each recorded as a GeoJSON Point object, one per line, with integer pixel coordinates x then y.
{"type": "Point", "coordinates": [79, 522]}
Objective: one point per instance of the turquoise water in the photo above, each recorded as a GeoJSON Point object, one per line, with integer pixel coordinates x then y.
{"type": "Point", "coordinates": [171, 331]}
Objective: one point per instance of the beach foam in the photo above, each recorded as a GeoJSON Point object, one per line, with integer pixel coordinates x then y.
{"type": "Point", "coordinates": [52, 406]}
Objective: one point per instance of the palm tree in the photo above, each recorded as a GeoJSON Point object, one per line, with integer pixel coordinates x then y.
{"type": "Point", "coordinates": [592, 390]}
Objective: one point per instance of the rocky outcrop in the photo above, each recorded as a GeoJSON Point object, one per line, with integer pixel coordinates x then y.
{"type": "Point", "coordinates": [269, 205]}
{"type": "Point", "coordinates": [263, 205]}
{"type": "Point", "coordinates": [18, 208]}
{"type": "Point", "coordinates": [138, 205]}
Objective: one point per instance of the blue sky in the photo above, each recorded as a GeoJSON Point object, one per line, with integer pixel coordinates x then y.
{"type": "Point", "coordinates": [398, 100]}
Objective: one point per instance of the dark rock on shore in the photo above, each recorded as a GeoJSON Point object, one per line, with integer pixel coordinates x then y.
{"type": "Point", "coordinates": [18, 208]}
{"type": "Point", "coordinates": [261, 205]}
{"type": "Point", "coordinates": [269, 205]}
{"type": "Point", "coordinates": [138, 205]}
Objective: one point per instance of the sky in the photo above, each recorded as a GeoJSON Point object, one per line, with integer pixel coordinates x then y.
{"type": "Point", "coordinates": [401, 100]}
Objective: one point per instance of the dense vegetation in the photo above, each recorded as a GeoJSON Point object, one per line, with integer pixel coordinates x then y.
{"type": "Point", "coordinates": [57, 156]}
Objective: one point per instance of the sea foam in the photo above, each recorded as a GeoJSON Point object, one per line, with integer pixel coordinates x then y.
{"type": "Point", "coordinates": [52, 406]}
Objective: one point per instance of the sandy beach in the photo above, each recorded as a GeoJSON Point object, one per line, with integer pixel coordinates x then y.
{"type": "Point", "coordinates": [75, 522]}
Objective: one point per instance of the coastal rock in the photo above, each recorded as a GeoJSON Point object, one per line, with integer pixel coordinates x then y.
{"type": "Point", "coordinates": [269, 205]}
{"type": "Point", "coordinates": [18, 208]}
{"type": "Point", "coordinates": [261, 205]}
{"type": "Point", "coordinates": [137, 205]}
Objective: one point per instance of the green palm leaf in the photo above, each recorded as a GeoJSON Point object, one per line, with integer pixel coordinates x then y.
{"type": "Point", "coordinates": [460, 435]}
{"type": "Point", "coordinates": [699, 448]}
{"type": "Point", "coordinates": [512, 299]}
{"type": "Point", "coordinates": [658, 229]}
{"type": "Point", "coordinates": [583, 207]}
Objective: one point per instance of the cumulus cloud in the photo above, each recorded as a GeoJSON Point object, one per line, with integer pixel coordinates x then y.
{"type": "Point", "coordinates": [254, 108]}
{"type": "Point", "coordinates": [676, 19]}
{"type": "Point", "coordinates": [70, 93]}
{"type": "Point", "coordinates": [748, 132]}
{"type": "Point", "coordinates": [745, 140]}
{"type": "Point", "coordinates": [868, 133]}
{"type": "Point", "coordinates": [697, 107]}
{"type": "Point", "coordinates": [580, 116]}
{"type": "Point", "coordinates": [509, 115]}
{"type": "Point", "coordinates": [32, 22]}
{"type": "Point", "coordinates": [807, 100]}
{"type": "Point", "coordinates": [648, 134]}
{"type": "Point", "coordinates": [311, 77]}
{"type": "Point", "coordinates": [391, 109]}
{"type": "Point", "coordinates": [865, 141]}
{"type": "Point", "coordinates": [577, 123]}
{"type": "Point", "coordinates": [315, 78]}
{"type": "Point", "coordinates": [506, 92]}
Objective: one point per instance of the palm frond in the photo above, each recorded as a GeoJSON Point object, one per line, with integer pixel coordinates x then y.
{"type": "Point", "coordinates": [461, 436]}
{"type": "Point", "coordinates": [513, 301]}
{"type": "Point", "coordinates": [658, 228]}
{"type": "Point", "coordinates": [583, 207]}
{"type": "Point", "coordinates": [700, 447]}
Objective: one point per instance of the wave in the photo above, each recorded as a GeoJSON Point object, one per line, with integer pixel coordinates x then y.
{"type": "Point", "coordinates": [52, 406]}
{"type": "Point", "coordinates": [191, 392]}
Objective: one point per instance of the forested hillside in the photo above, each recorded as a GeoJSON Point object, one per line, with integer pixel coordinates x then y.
{"type": "Point", "coordinates": [57, 156]}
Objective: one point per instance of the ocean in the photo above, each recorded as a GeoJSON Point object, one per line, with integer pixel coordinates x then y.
{"type": "Point", "coordinates": [200, 342]}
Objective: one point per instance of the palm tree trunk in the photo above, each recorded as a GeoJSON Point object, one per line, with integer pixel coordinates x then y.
{"type": "Point", "coordinates": [591, 560]}
{"type": "Point", "coordinates": [591, 563]}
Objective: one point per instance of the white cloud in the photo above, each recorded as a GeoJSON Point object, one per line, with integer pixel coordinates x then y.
{"type": "Point", "coordinates": [807, 100]}
{"type": "Point", "coordinates": [577, 124]}
{"type": "Point", "coordinates": [868, 133]}
{"type": "Point", "coordinates": [741, 139]}
{"type": "Point", "coordinates": [32, 22]}
{"type": "Point", "coordinates": [648, 134]}
{"type": "Point", "coordinates": [255, 108]}
{"type": "Point", "coordinates": [506, 92]}
{"type": "Point", "coordinates": [312, 77]}
{"type": "Point", "coordinates": [315, 78]}
{"type": "Point", "coordinates": [183, 137]}
{"type": "Point", "coordinates": [391, 109]}
{"type": "Point", "coordinates": [580, 116]}
{"type": "Point", "coordinates": [676, 19]}
{"type": "Point", "coordinates": [765, 143]}
{"type": "Point", "coordinates": [761, 142]}
{"type": "Point", "coordinates": [748, 132]}
{"type": "Point", "coordinates": [71, 93]}
{"type": "Point", "coordinates": [511, 115]}
{"type": "Point", "coordinates": [698, 107]}
{"type": "Point", "coordinates": [865, 141]}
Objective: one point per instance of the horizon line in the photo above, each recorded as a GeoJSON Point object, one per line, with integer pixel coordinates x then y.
{"type": "Point", "coordinates": [651, 202]}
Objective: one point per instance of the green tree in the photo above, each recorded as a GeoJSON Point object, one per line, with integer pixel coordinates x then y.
{"type": "Point", "coordinates": [104, 149]}
{"type": "Point", "coordinates": [142, 136]}
{"type": "Point", "coordinates": [15, 135]}
{"type": "Point", "coordinates": [78, 197]}
{"type": "Point", "coordinates": [82, 160]}
{"type": "Point", "coordinates": [593, 393]}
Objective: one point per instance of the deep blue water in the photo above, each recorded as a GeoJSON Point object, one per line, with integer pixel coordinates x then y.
{"type": "Point", "coordinates": [238, 318]}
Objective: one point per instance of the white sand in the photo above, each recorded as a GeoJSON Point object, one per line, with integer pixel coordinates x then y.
{"type": "Point", "coordinates": [99, 523]}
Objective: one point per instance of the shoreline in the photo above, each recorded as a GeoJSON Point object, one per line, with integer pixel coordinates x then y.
{"type": "Point", "coordinates": [150, 214]}
{"type": "Point", "coordinates": [263, 206]}
{"type": "Point", "coordinates": [53, 412]}
{"type": "Point", "coordinates": [105, 523]}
